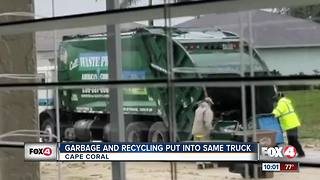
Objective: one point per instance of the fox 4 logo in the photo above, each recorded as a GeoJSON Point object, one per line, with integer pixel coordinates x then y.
{"type": "Point", "coordinates": [279, 152]}
{"type": "Point", "coordinates": [47, 151]}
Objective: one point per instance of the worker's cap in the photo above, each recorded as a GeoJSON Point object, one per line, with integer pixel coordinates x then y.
{"type": "Point", "coordinates": [209, 100]}
{"type": "Point", "coordinates": [278, 95]}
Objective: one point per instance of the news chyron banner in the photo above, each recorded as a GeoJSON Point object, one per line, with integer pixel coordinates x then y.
{"type": "Point", "coordinates": [200, 151]}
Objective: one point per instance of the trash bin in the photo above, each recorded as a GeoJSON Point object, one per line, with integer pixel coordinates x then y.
{"type": "Point", "coordinates": [265, 138]}
{"type": "Point", "coordinates": [224, 130]}
{"type": "Point", "coordinates": [269, 122]}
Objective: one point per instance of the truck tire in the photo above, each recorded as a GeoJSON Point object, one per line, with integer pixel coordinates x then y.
{"type": "Point", "coordinates": [158, 132]}
{"type": "Point", "coordinates": [136, 132]}
{"type": "Point", "coordinates": [261, 174]}
{"type": "Point", "coordinates": [106, 133]}
{"type": "Point", "coordinates": [69, 134]}
{"type": "Point", "coordinates": [49, 127]}
{"type": "Point", "coordinates": [82, 130]}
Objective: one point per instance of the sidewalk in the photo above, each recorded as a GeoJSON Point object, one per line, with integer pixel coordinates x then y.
{"type": "Point", "coordinates": [312, 158]}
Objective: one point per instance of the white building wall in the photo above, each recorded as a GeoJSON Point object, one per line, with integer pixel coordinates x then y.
{"type": "Point", "coordinates": [291, 61]}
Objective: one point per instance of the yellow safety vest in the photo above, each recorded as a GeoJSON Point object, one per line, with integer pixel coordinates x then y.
{"type": "Point", "coordinates": [286, 114]}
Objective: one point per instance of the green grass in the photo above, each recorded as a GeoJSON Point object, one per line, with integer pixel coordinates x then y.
{"type": "Point", "coordinates": [307, 105]}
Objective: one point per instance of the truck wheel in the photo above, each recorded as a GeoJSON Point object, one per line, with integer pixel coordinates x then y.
{"type": "Point", "coordinates": [137, 132]}
{"type": "Point", "coordinates": [106, 133]}
{"type": "Point", "coordinates": [49, 127]}
{"type": "Point", "coordinates": [158, 132]}
{"type": "Point", "coordinates": [69, 134]}
{"type": "Point", "coordinates": [82, 130]}
{"type": "Point", "coordinates": [251, 172]}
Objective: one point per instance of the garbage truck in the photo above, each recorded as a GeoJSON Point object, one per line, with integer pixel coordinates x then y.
{"type": "Point", "coordinates": [85, 111]}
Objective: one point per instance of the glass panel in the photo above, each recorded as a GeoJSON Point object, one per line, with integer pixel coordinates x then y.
{"type": "Point", "coordinates": [147, 170]}
{"type": "Point", "coordinates": [231, 59]}
{"type": "Point", "coordinates": [12, 165]}
{"type": "Point", "coordinates": [82, 55]}
{"type": "Point", "coordinates": [16, 11]}
{"type": "Point", "coordinates": [85, 170]}
{"type": "Point", "coordinates": [213, 52]}
{"type": "Point", "coordinates": [19, 124]}
{"type": "Point", "coordinates": [49, 170]}
{"type": "Point", "coordinates": [54, 8]}
{"type": "Point", "coordinates": [302, 101]}
{"type": "Point", "coordinates": [286, 42]}
{"type": "Point", "coordinates": [261, 43]}
{"type": "Point", "coordinates": [189, 170]}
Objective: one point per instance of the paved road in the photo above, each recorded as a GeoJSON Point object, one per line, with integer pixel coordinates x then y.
{"type": "Point", "coordinates": [312, 158]}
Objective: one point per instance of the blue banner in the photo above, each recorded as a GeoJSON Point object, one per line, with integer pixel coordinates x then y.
{"type": "Point", "coordinates": [190, 147]}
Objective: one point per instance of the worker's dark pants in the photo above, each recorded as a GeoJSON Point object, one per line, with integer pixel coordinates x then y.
{"type": "Point", "coordinates": [292, 135]}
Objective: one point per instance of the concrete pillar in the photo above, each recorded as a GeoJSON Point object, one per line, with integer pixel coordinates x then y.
{"type": "Point", "coordinates": [18, 109]}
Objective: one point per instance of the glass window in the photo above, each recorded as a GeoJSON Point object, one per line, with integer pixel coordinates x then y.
{"type": "Point", "coordinates": [85, 81]}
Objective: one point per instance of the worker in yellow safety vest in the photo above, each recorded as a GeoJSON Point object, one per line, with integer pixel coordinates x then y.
{"type": "Point", "coordinates": [289, 121]}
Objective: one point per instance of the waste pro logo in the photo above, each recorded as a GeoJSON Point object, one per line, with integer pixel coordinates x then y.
{"type": "Point", "coordinates": [279, 152]}
{"type": "Point", "coordinates": [40, 151]}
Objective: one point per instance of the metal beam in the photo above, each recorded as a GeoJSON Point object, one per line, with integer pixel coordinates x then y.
{"type": "Point", "coordinates": [144, 13]}
{"type": "Point", "coordinates": [116, 96]}
{"type": "Point", "coordinates": [221, 82]}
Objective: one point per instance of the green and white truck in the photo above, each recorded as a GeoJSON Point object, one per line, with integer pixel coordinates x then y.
{"type": "Point", "coordinates": [84, 112]}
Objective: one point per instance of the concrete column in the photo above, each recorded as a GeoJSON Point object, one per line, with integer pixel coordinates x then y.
{"type": "Point", "coordinates": [18, 109]}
